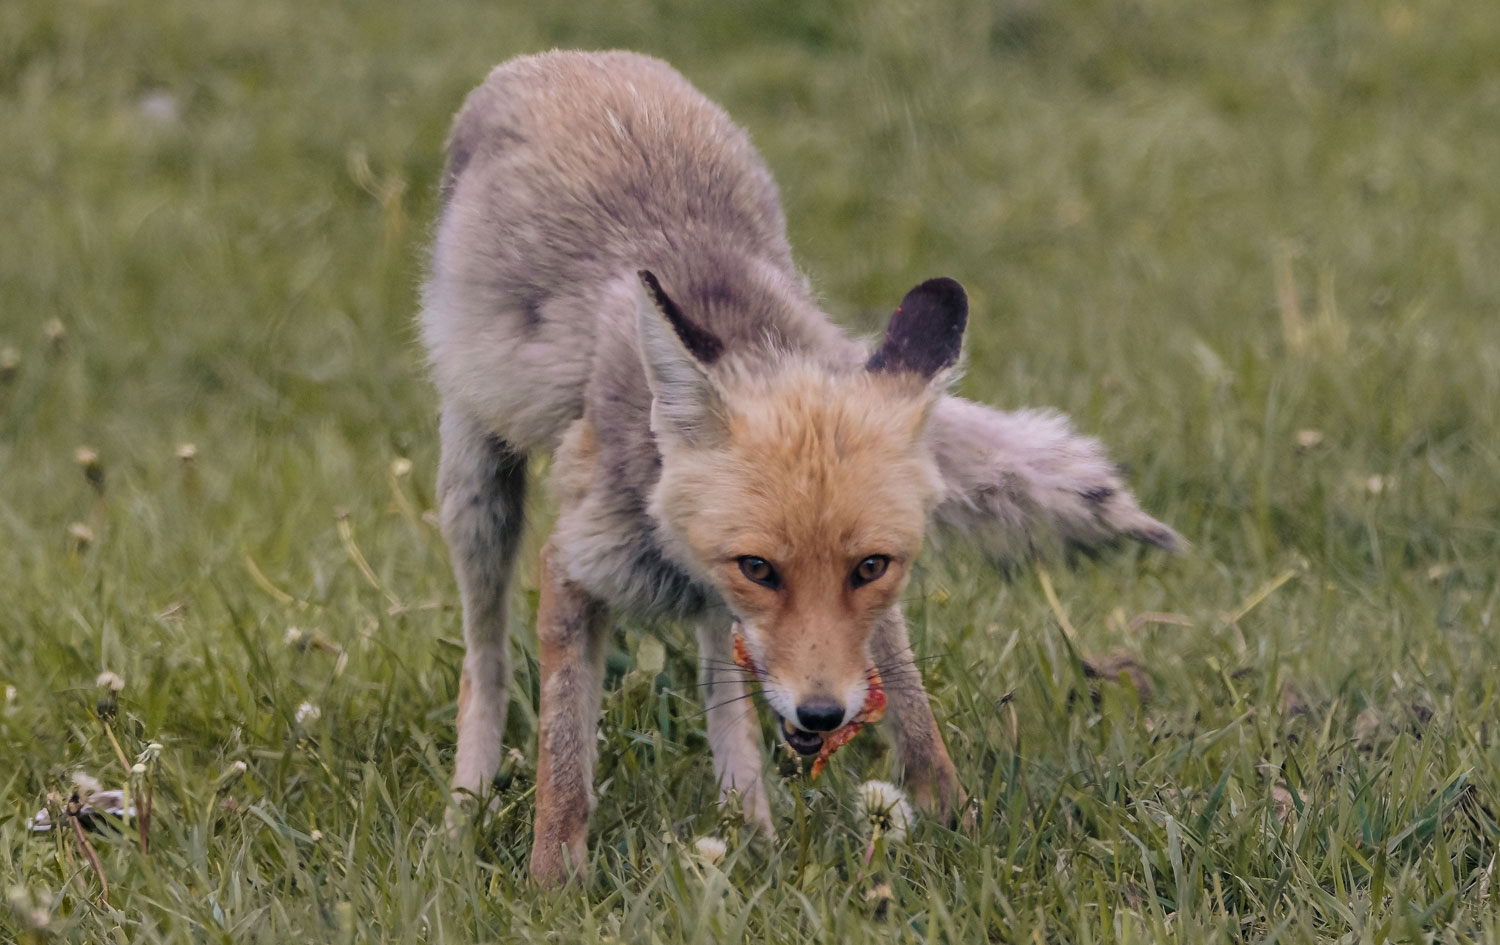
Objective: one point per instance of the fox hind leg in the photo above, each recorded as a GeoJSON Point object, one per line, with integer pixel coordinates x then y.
{"type": "Point", "coordinates": [733, 728]}
{"type": "Point", "coordinates": [482, 493]}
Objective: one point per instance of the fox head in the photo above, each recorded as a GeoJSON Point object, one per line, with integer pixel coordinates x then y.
{"type": "Point", "coordinates": [800, 491]}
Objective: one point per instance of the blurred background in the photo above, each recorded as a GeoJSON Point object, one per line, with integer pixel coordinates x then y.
{"type": "Point", "coordinates": [1251, 245]}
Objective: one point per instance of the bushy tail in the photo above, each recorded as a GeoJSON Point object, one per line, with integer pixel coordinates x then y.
{"type": "Point", "coordinates": [1023, 484]}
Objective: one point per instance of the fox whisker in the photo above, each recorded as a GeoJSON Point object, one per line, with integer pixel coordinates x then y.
{"type": "Point", "coordinates": [720, 705]}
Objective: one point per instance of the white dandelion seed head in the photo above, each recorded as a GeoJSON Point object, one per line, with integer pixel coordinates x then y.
{"type": "Point", "coordinates": [110, 681]}
{"type": "Point", "coordinates": [187, 452]}
{"type": "Point", "coordinates": [710, 849]}
{"type": "Point", "coordinates": [885, 808]}
{"type": "Point", "coordinates": [293, 636]}
{"type": "Point", "coordinates": [308, 713]}
{"type": "Point", "coordinates": [86, 784]}
{"type": "Point", "coordinates": [1309, 439]}
{"type": "Point", "coordinates": [33, 910]}
{"type": "Point", "coordinates": [138, 769]}
{"type": "Point", "coordinates": [400, 467]}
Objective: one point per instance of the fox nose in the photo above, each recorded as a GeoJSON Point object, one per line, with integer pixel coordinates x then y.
{"type": "Point", "coordinates": [820, 715]}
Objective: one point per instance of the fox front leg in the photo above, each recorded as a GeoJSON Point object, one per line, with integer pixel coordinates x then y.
{"type": "Point", "coordinates": [926, 770]}
{"type": "Point", "coordinates": [570, 631]}
{"type": "Point", "coordinates": [733, 729]}
{"type": "Point", "coordinates": [482, 490]}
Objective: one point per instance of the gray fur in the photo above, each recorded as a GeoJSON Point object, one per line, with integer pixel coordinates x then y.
{"type": "Point", "coordinates": [482, 495]}
{"type": "Point", "coordinates": [567, 174]}
{"type": "Point", "coordinates": [1023, 484]}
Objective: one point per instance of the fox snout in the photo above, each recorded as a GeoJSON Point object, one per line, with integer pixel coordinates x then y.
{"type": "Point", "coordinates": [821, 707]}
{"type": "Point", "coordinates": [821, 714]}
{"type": "Point", "coordinates": [804, 685]}
{"type": "Point", "coordinates": [814, 717]}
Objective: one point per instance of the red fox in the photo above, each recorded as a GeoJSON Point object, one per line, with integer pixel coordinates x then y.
{"type": "Point", "coordinates": [611, 282]}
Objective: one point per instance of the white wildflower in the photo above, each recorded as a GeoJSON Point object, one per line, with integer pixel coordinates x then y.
{"type": "Point", "coordinates": [110, 681]}
{"type": "Point", "coordinates": [86, 784]}
{"type": "Point", "coordinates": [400, 467]}
{"type": "Point", "coordinates": [187, 452]}
{"type": "Point", "coordinates": [885, 808]}
{"type": "Point", "coordinates": [10, 695]}
{"type": "Point", "coordinates": [159, 107]}
{"type": "Point", "coordinates": [35, 916]}
{"type": "Point", "coordinates": [710, 849]}
{"type": "Point", "coordinates": [138, 769]}
{"type": "Point", "coordinates": [315, 836]}
{"type": "Point", "coordinates": [81, 535]}
{"type": "Point", "coordinates": [293, 636]}
{"type": "Point", "coordinates": [308, 713]}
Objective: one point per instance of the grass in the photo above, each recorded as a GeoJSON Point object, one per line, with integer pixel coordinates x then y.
{"type": "Point", "coordinates": [1252, 245]}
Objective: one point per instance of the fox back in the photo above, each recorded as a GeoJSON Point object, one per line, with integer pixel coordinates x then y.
{"type": "Point", "coordinates": [568, 172]}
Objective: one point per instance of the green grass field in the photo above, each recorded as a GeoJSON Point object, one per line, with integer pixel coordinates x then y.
{"type": "Point", "coordinates": [1254, 246]}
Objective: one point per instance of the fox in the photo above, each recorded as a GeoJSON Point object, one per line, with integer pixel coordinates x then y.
{"type": "Point", "coordinates": [610, 282]}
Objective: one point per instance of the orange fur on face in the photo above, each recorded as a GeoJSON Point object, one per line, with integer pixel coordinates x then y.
{"type": "Point", "coordinates": [815, 472]}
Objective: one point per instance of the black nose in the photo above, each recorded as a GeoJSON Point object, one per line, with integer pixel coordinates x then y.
{"type": "Point", "coordinates": [820, 715]}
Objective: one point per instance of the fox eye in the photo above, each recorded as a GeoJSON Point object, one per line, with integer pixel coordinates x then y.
{"type": "Point", "coordinates": [759, 570]}
{"type": "Point", "coordinates": [870, 569]}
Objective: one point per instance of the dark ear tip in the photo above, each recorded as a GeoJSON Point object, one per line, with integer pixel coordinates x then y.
{"type": "Point", "coordinates": [946, 291]}
{"type": "Point", "coordinates": [943, 295]}
{"type": "Point", "coordinates": [925, 335]}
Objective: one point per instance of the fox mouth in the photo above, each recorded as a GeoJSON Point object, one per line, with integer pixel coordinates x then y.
{"type": "Point", "coordinates": [801, 741]}
{"type": "Point", "coordinates": [822, 744]}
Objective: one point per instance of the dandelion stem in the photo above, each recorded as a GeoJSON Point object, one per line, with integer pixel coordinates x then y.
{"type": "Point", "coordinates": [119, 753]}
{"type": "Point", "coordinates": [143, 821]}
{"type": "Point", "coordinates": [88, 850]}
{"type": "Point", "coordinates": [803, 841]}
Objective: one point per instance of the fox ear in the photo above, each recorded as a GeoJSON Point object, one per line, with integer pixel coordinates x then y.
{"type": "Point", "coordinates": [677, 353]}
{"type": "Point", "coordinates": [926, 332]}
